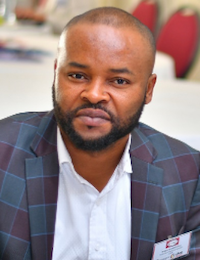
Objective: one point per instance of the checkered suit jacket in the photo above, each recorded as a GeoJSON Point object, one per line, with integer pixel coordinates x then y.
{"type": "Point", "coordinates": [165, 189]}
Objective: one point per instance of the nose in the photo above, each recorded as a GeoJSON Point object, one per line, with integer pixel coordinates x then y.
{"type": "Point", "coordinates": [95, 92]}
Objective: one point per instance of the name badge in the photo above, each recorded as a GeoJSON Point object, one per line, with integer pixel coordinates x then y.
{"type": "Point", "coordinates": [172, 248]}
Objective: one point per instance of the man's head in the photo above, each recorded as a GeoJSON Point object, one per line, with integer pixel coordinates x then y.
{"type": "Point", "coordinates": [103, 77]}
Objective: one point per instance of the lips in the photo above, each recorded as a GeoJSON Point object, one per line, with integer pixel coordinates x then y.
{"type": "Point", "coordinates": [93, 117]}
{"type": "Point", "coordinates": [91, 112]}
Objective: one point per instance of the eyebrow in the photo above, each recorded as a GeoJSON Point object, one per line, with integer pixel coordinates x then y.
{"type": "Point", "coordinates": [121, 70]}
{"type": "Point", "coordinates": [78, 65]}
{"type": "Point", "coordinates": [116, 71]}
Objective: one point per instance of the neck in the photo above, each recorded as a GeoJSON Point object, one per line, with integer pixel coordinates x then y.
{"type": "Point", "coordinates": [96, 167]}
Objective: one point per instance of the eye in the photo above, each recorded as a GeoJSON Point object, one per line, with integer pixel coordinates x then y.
{"type": "Point", "coordinates": [120, 81]}
{"type": "Point", "coordinates": [76, 76]}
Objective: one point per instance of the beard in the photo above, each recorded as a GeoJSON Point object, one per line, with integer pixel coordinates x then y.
{"type": "Point", "coordinates": [119, 128]}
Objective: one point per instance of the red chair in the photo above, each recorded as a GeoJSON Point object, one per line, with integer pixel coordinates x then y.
{"type": "Point", "coordinates": [147, 12]}
{"type": "Point", "coordinates": [41, 2]}
{"type": "Point", "coordinates": [179, 38]}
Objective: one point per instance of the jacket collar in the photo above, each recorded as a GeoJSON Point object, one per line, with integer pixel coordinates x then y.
{"type": "Point", "coordinates": [141, 147]}
{"type": "Point", "coordinates": [45, 140]}
{"type": "Point", "coordinates": [42, 187]}
{"type": "Point", "coordinates": [146, 193]}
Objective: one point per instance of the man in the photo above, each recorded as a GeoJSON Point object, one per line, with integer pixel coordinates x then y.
{"type": "Point", "coordinates": [87, 181]}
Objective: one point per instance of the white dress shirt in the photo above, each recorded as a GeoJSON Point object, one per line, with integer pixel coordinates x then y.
{"type": "Point", "coordinates": [92, 225]}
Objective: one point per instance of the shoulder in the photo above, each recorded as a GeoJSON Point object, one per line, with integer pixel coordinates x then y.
{"type": "Point", "coordinates": [23, 124]}
{"type": "Point", "coordinates": [180, 162]}
{"type": "Point", "coordinates": [159, 138]}
{"type": "Point", "coordinates": [22, 118]}
{"type": "Point", "coordinates": [166, 146]}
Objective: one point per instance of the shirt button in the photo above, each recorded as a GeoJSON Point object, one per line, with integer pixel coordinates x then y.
{"type": "Point", "coordinates": [97, 248]}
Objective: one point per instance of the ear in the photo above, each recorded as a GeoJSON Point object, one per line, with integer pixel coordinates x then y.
{"type": "Point", "coordinates": [150, 87]}
{"type": "Point", "coordinates": [55, 65]}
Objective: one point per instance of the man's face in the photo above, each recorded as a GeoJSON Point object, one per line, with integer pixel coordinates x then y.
{"type": "Point", "coordinates": [102, 80]}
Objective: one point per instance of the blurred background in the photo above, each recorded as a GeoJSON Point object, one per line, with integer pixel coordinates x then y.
{"type": "Point", "coordinates": [29, 33]}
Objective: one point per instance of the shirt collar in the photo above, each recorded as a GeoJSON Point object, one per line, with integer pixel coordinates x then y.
{"type": "Point", "coordinates": [64, 157]}
{"type": "Point", "coordinates": [63, 154]}
{"type": "Point", "coordinates": [125, 162]}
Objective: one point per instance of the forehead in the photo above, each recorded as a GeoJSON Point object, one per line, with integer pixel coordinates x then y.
{"type": "Point", "coordinates": [104, 42]}
{"type": "Point", "coordinates": [99, 34]}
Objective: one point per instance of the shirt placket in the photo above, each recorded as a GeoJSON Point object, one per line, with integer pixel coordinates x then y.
{"type": "Point", "coordinates": [97, 230]}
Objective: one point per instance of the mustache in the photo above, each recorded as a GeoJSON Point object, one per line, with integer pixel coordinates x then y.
{"type": "Point", "coordinates": [93, 106]}
{"type": "Point", "coordinates": [72, 113]}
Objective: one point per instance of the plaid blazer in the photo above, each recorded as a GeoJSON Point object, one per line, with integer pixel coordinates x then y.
{"type": "Point", "coordinates": [165, 189]}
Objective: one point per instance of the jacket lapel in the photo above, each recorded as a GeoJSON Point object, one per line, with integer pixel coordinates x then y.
{"type": "Point", "coordinates": [146, 188]}
{"type": "Point", "coordinates": [42, 188]}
